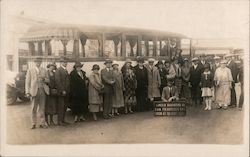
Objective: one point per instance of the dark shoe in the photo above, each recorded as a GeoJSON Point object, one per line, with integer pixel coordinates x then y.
{"type": "Point", "coordinates": [43, 126]}
{"type": "Point", "coordinates": [33, 127]}
{"type": "Point", "coordinates": [82, 120]}
{"type": "Point", "coordinates": [117, 114]}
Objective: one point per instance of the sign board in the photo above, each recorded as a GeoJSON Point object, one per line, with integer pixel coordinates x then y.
{"type": "Point", "coordinates": [175, 108]}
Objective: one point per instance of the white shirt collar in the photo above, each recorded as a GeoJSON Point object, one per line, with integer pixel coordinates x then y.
{"type": "Point", "coordinates": [63, 67]}
{"type": "Point", "coordinates": [195, 66]}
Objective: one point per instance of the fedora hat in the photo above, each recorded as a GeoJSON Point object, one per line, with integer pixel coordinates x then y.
{"type": "Point", "coordinates": [140, 59]}
{"type": "Point", "coordinates": [217, 58]}
{"type": "Point", "coordinates": [108, 61]}
{"type": "Point", "coordinates": [195, 59]}
{"type": "Point", "coordinates": [96, 67]}
{"type": "Point", "coordinates": [51, 64]}
{"type": "Point", "coordinates": [128, 60]}
{"type": "Point", "coordinates": [151, 60]}
{"type": "Point", "coordinates": [63, 59]}
{"type": "Point", "coordinates": [115, 63]}
{"type": "Point", "coordinates": [78, 64]}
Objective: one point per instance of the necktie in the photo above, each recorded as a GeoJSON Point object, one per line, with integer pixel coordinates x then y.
{"type": "Point", "coordinates": [170, 90]}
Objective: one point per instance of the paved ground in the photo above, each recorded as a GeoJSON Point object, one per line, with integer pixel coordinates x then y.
{"type": "Point", "coordinates": [214, 127]}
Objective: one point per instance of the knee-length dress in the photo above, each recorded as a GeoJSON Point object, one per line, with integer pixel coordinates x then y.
{"type": "Point", "coordinates": [51, 101]}
{"type": "Point", "coordinates": [95, 95]}
{"type": "Point", "coordinates": [118, 99]}
{"type": "Point", "coordinates": [223, 78]}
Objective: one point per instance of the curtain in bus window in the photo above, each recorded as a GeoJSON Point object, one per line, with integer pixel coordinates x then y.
{"type": "Point", "coordinates": [92, 48]}
{"type": "Point", "coordinates": [109, 47]}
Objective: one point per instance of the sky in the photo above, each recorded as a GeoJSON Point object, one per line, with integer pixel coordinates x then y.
{"type": "Point", "coordinates": [194, 18]}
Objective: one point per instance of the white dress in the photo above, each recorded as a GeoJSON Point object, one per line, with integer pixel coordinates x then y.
{"type": "Point", "coordinates": [223, 77]}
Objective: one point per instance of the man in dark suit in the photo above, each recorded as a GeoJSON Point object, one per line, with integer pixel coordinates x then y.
{"type": "Point", "coordinates": [63, 87]}
{"type": "Point", "coordinates": [235, 71]}
{"type": "Point", "coordinates": [195, 78]}
{"type": "Point", "coordinates": [108, 79]}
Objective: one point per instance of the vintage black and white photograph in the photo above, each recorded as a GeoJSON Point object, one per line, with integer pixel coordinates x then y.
{"type": "Point", "coordinates": [124, 78]}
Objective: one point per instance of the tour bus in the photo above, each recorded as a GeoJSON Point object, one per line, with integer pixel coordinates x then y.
{"type": "Point", "coordinates": [93, 44]}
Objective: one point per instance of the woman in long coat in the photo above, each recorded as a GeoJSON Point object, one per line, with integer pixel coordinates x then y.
{"type": "Point", "coordinates": [51, 101]}
{"type": "Point", "coordinates": [118, 100]}
{"type": "Point", "coordinates": [130, 85]}
{"type": "Point", "coordinates": [141, 75]}
{"type": "Point", "coordinates": [185, 74]}
{"type": "Point", "coordinates": [223, 80]}
{"type": "Point", "coordinates": [78, 92]}
{"type": "Point", "coordinates": [95, 91]}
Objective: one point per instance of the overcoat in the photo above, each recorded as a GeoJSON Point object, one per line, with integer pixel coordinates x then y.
{"type": "Point", "coordinates": [154, 82]}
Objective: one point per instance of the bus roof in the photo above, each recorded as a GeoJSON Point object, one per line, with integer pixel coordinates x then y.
{"type": "Point", "coordinates": [69, 32]}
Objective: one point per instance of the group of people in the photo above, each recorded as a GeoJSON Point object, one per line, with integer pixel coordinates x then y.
{"type": "Point", "coordinates": [113, 89]}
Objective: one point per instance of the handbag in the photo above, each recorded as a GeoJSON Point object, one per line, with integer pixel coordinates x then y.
{"type": "Point", "coordinates": [53, 92]}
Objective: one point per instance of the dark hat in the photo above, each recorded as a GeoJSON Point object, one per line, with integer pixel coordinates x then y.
{"type": "Point", "coordinates": [51, 64]}
{"type": "Point", "coordinates": [78, 64]}
{"type": "Point", "coordinates": [206, 66]}
{"type": "Point", "coordinates": [63, 59]}
{"type": "Point", "coordinates": [108, 61]}
{"type": "Point", "coordinates": [38, 59]}
{"type": "Point", "coordinates": [160, 62]}
{"type": "Point", "coordinates": [128, 60]}
{"type": "Point", "coordinates": [140, 59]}
{"type": "Point", "coordinates": [96, 67]}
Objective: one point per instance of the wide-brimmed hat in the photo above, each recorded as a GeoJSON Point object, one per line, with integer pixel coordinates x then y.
{"type": "Point", "coordinates": [128, 60]}
{"type": "Point", "coordinates": [108, 61]}
{"type": "Point", "coordinates": [78, 64]}
{"type": "Point", "coordinates": [223, 61]}
{"type": "Point", "coordinates": [195, 59]}
{"type": "Point", "coordinates": [38, 59]}
{"type": "Point", "coordinates": [115, 63]}
{"type": "Point", "coordinates": [63, 59]}
{"type": "Point", "coordinates": [51, 64]}
{"type": "Point", "coordinates": [140, 59]}
{"type": "Point", "coordinates": [96, 67]}
{"type": "Point", "coordinates": [217, 58]}
{"type": "Point", "coordinates": [151, 60]}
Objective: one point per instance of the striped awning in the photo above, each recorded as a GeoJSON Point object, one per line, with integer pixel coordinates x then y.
{"type": "Point", "coordinates": [48, 32]}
